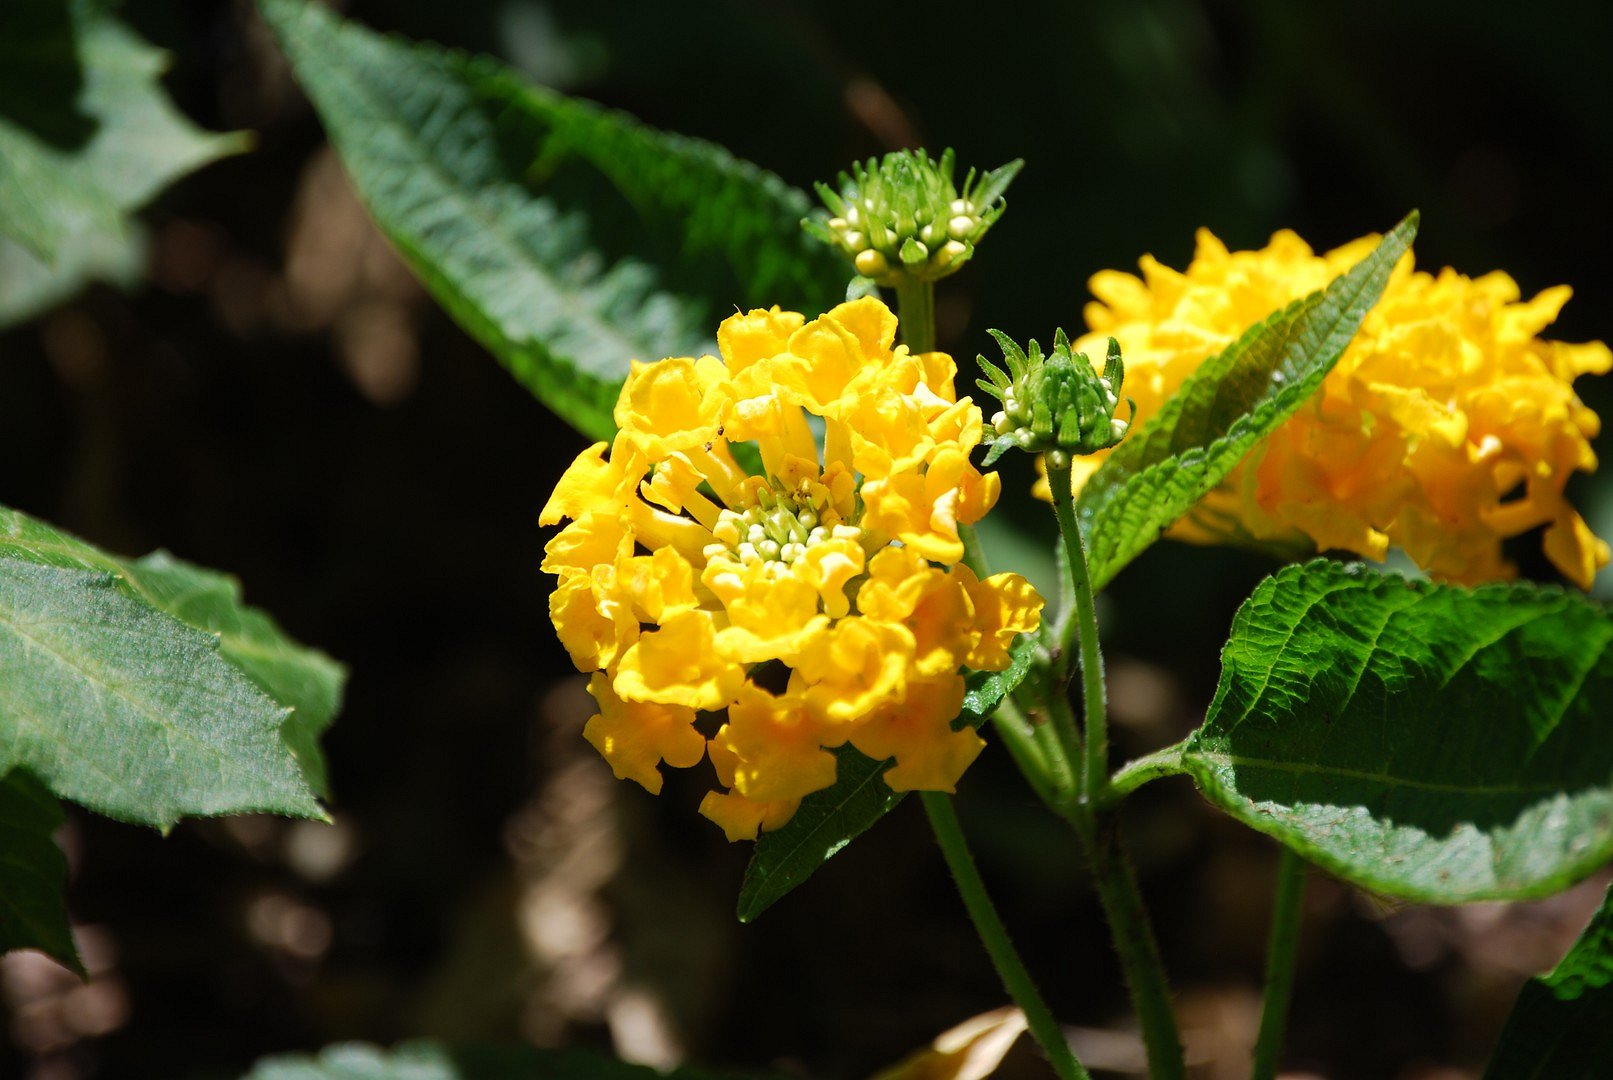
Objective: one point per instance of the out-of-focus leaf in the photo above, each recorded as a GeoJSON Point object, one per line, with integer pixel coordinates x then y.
{"type": "Point", "coordinates": [114, 701]}
{"type": "Point", "coordinates": [1224, 409]}
{"type": "Point", "coordinates": [1562, 1024]}
{"type": "Point", "coordinates": [1424, 741]}
{"type": "Point", "coordinates": [33, 873]}
{"type": "Point", "coordinates": [434, 1061]}
{"type": "Point", "coordinates": [87, 136]}
{"type": "Point", "coordinates": [29, 285]}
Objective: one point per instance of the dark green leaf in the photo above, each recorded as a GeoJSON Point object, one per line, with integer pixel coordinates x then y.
{"type": "Point", "coordinates": [449, 153]}
{"type": "Point", "coordinates": [33, 873]}
{"type": "Point", "coordinates": [433, 1061]}
{"type": "Point", "coordinates": [1424, 741]}
{"type": "Point", "coordinates": [827, 821]}
{"type": "Point", "coordinates": [87, 136]}
{"type": "Point", "coordinates": [725, 214]}
{"type": "Point", "coordinates": [1562, 1024]}
{"type": "Point", "coordinates": [1223, 410]}
{"type": "Point", "coordinates": [115, 702]}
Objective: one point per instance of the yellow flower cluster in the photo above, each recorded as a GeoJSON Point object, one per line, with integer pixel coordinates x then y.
{"type": "Point", "coordinates": [819, 602]}
{"type": "Point", "coordinates": [1447, 426]}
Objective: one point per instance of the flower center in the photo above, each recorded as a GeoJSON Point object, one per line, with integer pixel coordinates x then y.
{"type": "Point", "coordinates": [780, 528]}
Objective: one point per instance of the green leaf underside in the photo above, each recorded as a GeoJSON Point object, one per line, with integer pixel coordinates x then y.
{"type": "Point", "coordinates": [33, 872]}
{"type": "Point", "coordinates": [113, 699]}
{"type": "Point", "coordinates": [434, 1061]}
{"type": "Point", "coordinates": [987, 688]}
{"type": "Point", "coordinates": [1427, 742]}
{"type": "Point", "coordinates": [427, 136]}
{"type": "Point", "coordinates": [1562, 1023]}
{"type": "Point", "coordinates": [1223, 410]}
{"type": "Point", "coordinates": [87, 136]}
{"type": "Point", "coordinates": [830, 819]}
{"type": "Point", "coordinates": [826, 821]}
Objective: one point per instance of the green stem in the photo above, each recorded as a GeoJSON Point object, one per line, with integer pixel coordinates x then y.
{"type": "Point", "coordinates": [1066, 737]}
{"type": "Point", "coordinates": [1010, 968]}
{"type": "Point", "coordinates": [1095, 764]}
{"type": "Point", "coordinates": [1111, 866]}
{"type": "Point", "coordinates": [1135, 944]}
{"type": "Point", "coordinates": [1028, 749]}
{"type": "Point", "coordinates": [1134, 774]}
{"type": "Point", "coordinates": [915, 313]}
{"type": "Point", "coordinates": [1280, 956]}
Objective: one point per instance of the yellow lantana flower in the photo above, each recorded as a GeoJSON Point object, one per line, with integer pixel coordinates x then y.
{"type": "Point", "coordinates": [819, 602]}
{"type": "Point", "coordinates": [1447, 426]}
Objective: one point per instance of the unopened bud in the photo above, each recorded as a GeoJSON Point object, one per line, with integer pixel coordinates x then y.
{"type": "Point", "coordinates": [1057, 404]}
{"type": "Point", "coordinates": [903, 216]}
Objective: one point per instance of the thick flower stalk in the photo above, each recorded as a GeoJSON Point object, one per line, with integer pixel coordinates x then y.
{"type": "Point", "coordinates": [819, 602]}
{"type": "Point", "coordinates": [1447, 426]}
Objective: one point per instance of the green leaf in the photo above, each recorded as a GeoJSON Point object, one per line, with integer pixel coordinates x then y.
{"type": "Point", "coordinates": [434, 1061]}
{"type": "Point", "coordinates": [1223, 410]}
{"type": "Point", "coordinates": [305, 679]}
{"type": "Point", "coordinates": [297, 677]}
{"type": "Point", "coordinates": [30, 285]}
{"type": "Point", "coordinates": [738, 224]}
{"type": "Point", "coordinates": [987, 688]}
{"type": "Point", "coordinates": [830, 819]}
{"type": "Point", "coordinates": [1562, 1024]}
{"type": "Point", "coordinates": [114, 700]}
{"type": "Point", "coordinates": [33, 873]}
{"type": "Point", "coordinates": [826, 821]}
{"type": "Point", "coordinates": [449, 153]}
{"type": "Point", "coordinates": [1424, 741]}
{"type": "Point", "coordinates": [87, 136]}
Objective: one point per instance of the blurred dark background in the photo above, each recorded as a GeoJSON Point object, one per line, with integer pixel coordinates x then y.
{"type": "Point", "coordinates": [282, 401]}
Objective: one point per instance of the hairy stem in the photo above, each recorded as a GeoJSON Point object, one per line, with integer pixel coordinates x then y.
{"type": "Point", "coordinates": [1281, 951]}
{"type": "Point", "coordinates": [1084, 616]}
{"type": "Point", "coordinates": [1135, 944]}
{"type": "Point", "coordinates": [1010, 968]}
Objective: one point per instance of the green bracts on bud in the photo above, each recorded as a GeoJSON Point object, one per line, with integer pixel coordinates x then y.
{"type": "Point", "coordinates": [903, 215]}
{"type": "Point", "coordinates": [1054, 404]}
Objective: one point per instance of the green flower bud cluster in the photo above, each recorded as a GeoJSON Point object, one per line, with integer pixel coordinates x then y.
{"type": "Point", "coordinates": [1055, 404]}
{"type": "Point", "coordinates": [903, 215]}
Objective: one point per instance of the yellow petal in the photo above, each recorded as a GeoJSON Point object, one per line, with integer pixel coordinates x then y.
{"type": "Point", "coordinates": [918, 733]}
{"type": "Point", "coordinates": [636, 737]}
{"type": "Point", "coordinates": [679, 664]}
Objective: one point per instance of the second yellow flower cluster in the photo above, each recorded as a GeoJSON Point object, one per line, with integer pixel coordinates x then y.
{"type": "Point", "coordinates": [1447, 426]}
{"type": "Point", "coordinates": [819, 601]}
